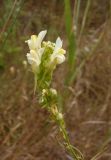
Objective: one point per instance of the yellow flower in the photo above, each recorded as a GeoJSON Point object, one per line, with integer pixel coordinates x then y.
{"type": "Point", "coordinates": [53, 91]}
{"type": "Point", "coordinates": [58, 53]}
{"type": "Point", "coordinates": [34, 58]}
{"type": "Point", "coordinates": [36, 51]}
{"type": "Point", "coordinates": [35, 42]}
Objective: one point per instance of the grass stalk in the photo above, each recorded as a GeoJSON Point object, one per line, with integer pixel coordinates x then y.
{"type": "Point", "coordinates": [71, 41]}
{"type": "Point", "coordinates": [15, 10]}
{"type": "Point", "coordinates": [84, 19]}
{"type": "Point", "coordinates": [8, 18]}
{"type": "Point", "coordinates": [76, 15]}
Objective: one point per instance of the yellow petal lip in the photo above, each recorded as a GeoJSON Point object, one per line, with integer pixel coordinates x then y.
{"type": "Point", "coordinates": [34, 38]}
{"type": "Point", "coordinates": [62, 51]}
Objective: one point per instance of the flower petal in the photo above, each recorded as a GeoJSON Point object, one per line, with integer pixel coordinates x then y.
{"type": "Point", "coordinates": [33, 42]}
{"type": "Point", "coordinates": [40, 37]}
{"type": "Point", "coordinates": [60, 58]}
{"type": "Point", "coordinates": [29, 58]}
{"type": "Point", "coordinates": [40, 52]}
{"type": "Point", "coordinates": [58, 44]}
{"type": "Point", "coordinates": [33, 58]}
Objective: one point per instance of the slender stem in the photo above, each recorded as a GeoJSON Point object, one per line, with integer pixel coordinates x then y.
{"type": "Point", "coordinates": [68, 146]}
{"type": "Point", "coordinates": [75, 153]}
{"type": "Point", "coordinates": [76, 15]}
{"type": "Point", "coordinates": [84, 19]}
{"type": "Point", "coordinates": [8, 19]}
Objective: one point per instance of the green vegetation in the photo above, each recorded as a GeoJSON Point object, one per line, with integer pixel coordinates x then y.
{"type": "Point", "coordinates": [9, 24]}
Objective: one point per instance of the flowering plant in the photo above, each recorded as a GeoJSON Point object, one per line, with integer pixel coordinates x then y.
{"type": "Point", "coordinates": [43, 57]}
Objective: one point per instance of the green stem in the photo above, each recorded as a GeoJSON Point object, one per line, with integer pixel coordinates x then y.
{"type": "Point", "coordinates": [67, 143]}
{"type": "Point", "coordinates": [75, 153]}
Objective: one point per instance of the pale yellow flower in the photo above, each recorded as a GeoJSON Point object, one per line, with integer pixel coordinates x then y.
{"type": "Point", "coordinates": [36, 51]}
{"type": "Point", "coordinates": [58, 53]}
{"type": "Point", "coordinates": [35, 42]}
{"type": "Point", "coordinates": [34, 58]}
{"type": "Point", "coordinates": [53, 91]}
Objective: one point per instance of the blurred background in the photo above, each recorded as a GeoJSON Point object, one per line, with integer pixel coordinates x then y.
{"type": "Point", "coordinates": [83, 81]}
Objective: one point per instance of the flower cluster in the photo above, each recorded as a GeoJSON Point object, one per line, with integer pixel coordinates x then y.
{"type": "Point", "coordinates": [53, 52]}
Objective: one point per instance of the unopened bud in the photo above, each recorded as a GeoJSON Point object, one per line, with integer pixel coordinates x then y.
{"type": "Point", "coordinates": [53, 91]}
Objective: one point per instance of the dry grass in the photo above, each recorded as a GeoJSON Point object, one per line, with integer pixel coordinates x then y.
{"type": "Point", "coordinates": [26, 132]}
